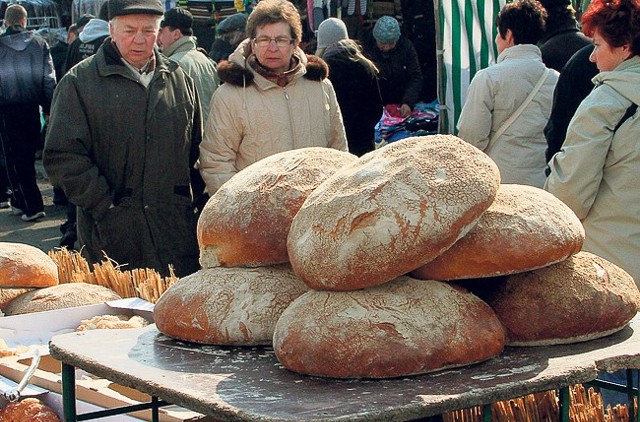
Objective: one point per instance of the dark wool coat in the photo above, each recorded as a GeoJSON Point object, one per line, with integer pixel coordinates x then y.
{"type": "Point", "coordinates": [400, 74]}
{"type": "Point", "coordinates": [574, 84]}
{"type": "Point", "coordinates": [561, 41]}
{"type": "Point", "coordinates": [124, 154]}
{"type": "Point", "coordinates": [358, 96]}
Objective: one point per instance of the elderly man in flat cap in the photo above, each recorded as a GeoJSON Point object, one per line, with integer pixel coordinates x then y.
{"type": "Point", "coordinates": [123, 138]}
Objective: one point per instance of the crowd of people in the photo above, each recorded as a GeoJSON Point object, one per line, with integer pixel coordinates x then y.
{"type": "Point", "coordinates": [144, 125]}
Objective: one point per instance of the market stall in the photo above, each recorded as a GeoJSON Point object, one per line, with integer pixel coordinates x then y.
{"type": "Point", "coordinates": [249, 384]}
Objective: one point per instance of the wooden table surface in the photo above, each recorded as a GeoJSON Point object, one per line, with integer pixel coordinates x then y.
{"type": "Point", "coordinates": [249, 384]}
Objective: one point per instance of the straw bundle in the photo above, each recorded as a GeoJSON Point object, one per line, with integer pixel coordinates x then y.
{"type": "Point", "coordinates": [586, 406]}
{"type": "Point", "coordinates": [144, 283]}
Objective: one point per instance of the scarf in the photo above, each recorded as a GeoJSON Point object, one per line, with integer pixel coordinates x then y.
{"type": "Point", "coordinates": [282, 79]}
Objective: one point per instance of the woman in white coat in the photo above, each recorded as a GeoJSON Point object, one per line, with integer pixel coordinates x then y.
{"type": "Point", "coordinates": [508, 104]}
{"type": "Point", "coordinates": [596, 171]}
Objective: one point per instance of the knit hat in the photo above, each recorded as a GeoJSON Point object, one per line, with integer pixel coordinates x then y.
{"type": "Point", "coordinates": [330, 32]}
{"type": "Point", "coordinates": [177, 18]}
{"type": "Point", "coordinates": [232, 23]}
{"type": "Point", "coordinates": [386, 30]}
{"type": "Point", "coordinates": [135, 7]}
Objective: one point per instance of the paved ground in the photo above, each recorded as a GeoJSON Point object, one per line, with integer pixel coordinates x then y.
{"type": "Point", "coordinates": [44, 233]}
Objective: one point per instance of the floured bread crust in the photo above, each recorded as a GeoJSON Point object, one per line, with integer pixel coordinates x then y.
{"type": "Point", "coordinates": [582, 298]}
{"type": "Point", "coordinates": [23, 265]}
{"type": "Point", "coordinates": [390, 212]}
{"type": "Point", "coordinates": [404, 327]}
{"type": "Point", "coordinates": [112, 322]}
{"type": "Point", "coordinates": [227, 306]}
{"type": "Point", "coordinates": [246, 222]}
{"type": "Point", "coordinates": [28, 410]}
{"type": "Point", "coordinates": [62, 296]}
{"type": "Point", "coordinates": [525, 228]}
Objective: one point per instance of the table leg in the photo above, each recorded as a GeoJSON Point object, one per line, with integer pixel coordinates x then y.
{"type": "Point", "coordinates": [565, 404]}
{"type": "Point", "coordinates": [69, 392]}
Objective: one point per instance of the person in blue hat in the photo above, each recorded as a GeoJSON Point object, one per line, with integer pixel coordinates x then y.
{"type": "Point", "coordinates": [397, 60]}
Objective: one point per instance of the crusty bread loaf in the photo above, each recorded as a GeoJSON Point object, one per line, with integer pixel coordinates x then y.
{"type": "Point", "coordinates": [403, 327]}
{"type": "Point", "coordinates": [246, 222]}
{"type": "Point", "coordinates": [24, 265]}
{"type": "Point", "coordinates": [7, 295]}
{"type": "Point", "coordinates": [61, 296]}
{"type": "Point", "coordinates": [227, 306]}
{"type": "Point", "coordinates": [390, 212]}
{"type": "Point", "coordinates": [525, 228]}
{"type": "Point", "coordinates": [579, 299]}
{"type": "Point", "coordinates": [28, 410]}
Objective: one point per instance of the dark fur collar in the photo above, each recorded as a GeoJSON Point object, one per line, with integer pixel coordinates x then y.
{"type": "Point", "coordinates": [235, 74]}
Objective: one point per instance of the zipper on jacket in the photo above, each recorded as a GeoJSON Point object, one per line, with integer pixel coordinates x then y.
{"type": "Point", "coordinates": [286, 97]}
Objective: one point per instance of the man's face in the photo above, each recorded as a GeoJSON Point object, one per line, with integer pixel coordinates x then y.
{"type": "Point", "coordinates": [168, 36]}
{"type": "Point", "coordinates": [135, 36]}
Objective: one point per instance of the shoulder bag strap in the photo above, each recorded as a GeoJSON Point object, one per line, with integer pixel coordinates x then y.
{"type": "Point", "coordinates": [520, 109]}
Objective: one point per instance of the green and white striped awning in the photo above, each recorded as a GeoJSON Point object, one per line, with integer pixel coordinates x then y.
{"type": "Point", "coordinates": [465, 45]}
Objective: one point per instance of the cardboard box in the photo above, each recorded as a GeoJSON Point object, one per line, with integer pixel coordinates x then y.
{"type": "Point", "coordinates": [36, 329]}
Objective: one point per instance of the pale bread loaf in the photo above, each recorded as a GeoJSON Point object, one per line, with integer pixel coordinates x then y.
{"type": "Point", "coordinates": [29, 409]}
{"type": "Point", "coordinates": [227, 306]}
{"type": "Point", "coordinates": [582, 298]}
{"type": "Point", "coordinates": [390, 212]}
{"type": "Point", "coordinates": [246, 222]}
{"type": "Point", "coordinates": [23, 265]}
{"type": "Point", "coordinates": [404, 327]}
{"type": "Point", "coordinates": [525, 228]}
{"type": "Point", "coordinates": [7, 295]}
{"type": "Point", "coordinates": [67, 295]}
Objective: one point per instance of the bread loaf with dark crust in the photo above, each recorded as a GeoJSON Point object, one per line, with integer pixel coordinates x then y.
{"type": "Point", "coordinates": [227, 306]}
{"type": "Point", "coordinates": [23, 265]}
{"type": "Point", "coordinates": [390, 212]}
{"type": "Point", "coordinates": [246, 222]}
{"type": "Point", "coordinates": [579, 299]}
{"type": "Point", "coordinates": [403, 327]}
{"type": "Point", "coordinates": [525, 228]}
{"type": "Point", "coordinates": [62, 296]}
{"type": "Point", "coordinates": [28, 410]}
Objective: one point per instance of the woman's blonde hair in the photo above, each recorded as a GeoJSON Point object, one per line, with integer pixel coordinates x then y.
{"type": "Point", "coordinates": [355, 54]}
{"type": "Point", "coordinates": [275, 11]}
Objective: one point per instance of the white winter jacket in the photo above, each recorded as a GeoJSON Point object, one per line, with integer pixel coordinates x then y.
{"type": "Point", "coordinates": [596, 171]}
{"type": "Point", "coordinates": [252, 118]}
{"type": "Point", "coordinates": [494, 95]}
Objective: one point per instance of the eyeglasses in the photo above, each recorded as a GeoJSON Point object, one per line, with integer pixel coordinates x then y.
{"type": "Point", "coordinates": [281, 42]}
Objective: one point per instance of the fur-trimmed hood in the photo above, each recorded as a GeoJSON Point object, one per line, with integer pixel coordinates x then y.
{"type": "Point", "coordinates": [237, 72]}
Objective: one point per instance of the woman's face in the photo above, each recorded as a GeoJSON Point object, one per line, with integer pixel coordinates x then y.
{"type": "Point", "coordinates": [605, 56]}
{"type": "Point", "coordinates": [274, 46]}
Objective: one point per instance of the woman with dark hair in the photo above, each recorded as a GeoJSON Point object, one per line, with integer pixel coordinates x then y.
{"type": "Point", "coordinates": [594, 171]}
{"type": "Point", "coordinates": [508, 104]}
{"type": "Point", "coordinates": [274, 99]}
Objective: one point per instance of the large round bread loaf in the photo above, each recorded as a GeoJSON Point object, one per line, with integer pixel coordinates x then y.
{"type": "Point", "coordinates": [23, 265]}
{"type": "Point", "coordinates": [227, 306]}
{"type": "Point", "coordinates": [29, 409]}
{"type": "Point", "coordinates": [246, 222]}
{"type": "Point", "coordinates": [525, 228]}
{"type": "Point", "coordinates": [390, 212]}
{"type": "Point", "coordinates": [403, 327]}
{"type": "Point", "coordinates": [582, 298]}
{"type": "Point", "coordinates": [67, 295]}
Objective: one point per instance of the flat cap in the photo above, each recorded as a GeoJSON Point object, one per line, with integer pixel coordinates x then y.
{"type": "Point", "coordinates": [236, 22]}
{"type": "Point", "coordinates": [135, 7]}
{"type": "Point", "coordinates": [177, 18]}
